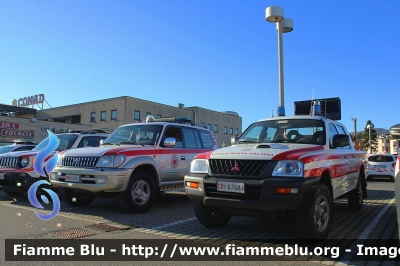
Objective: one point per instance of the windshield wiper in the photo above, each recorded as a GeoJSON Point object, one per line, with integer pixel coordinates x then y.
{"type": "Point", "coordinates": [247, 141]}
{"type": "Point", "coordinates": [109, 143]}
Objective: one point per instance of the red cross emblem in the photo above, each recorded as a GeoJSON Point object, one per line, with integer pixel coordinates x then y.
{"type": "Point", "coordinates": [174, 161]}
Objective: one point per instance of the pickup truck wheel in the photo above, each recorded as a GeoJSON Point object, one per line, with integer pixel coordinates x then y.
{"type": "Point", "coordinates": [355, 197]}
{"type": "Point", "coordinates": [76, 199]}
{"type": "Point", "coordinates": [316, 221]}
{"type": "Point", "coordinates": [210, 216]}
{"type": "Point", "coordinates": [13, 194]}
{"type": "Point", "coordinates": [140, 194]}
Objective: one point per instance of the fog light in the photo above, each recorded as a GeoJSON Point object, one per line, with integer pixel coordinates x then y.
{"type": "Point", "coordinates": [53, 176]}
{"type": "Point", "coordinates": [286, 190]}
{"type": "Point", "coordinates": [101, 180]}
{"type": "Point", "coordinates": [192, 184]}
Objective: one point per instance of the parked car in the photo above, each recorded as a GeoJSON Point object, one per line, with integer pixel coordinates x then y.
{"type": "Point", "coordinates": [16, 168]}
{"type": "Point", "coordinates": [380, 165]}
{"type": "Point", "coordinates": [17, 146]}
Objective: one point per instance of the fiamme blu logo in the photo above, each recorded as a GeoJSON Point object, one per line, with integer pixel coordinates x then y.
{"type": "Point", "coordinates": [44, 168]}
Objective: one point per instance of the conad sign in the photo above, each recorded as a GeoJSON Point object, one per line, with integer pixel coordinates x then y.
{"type": "Point", "coordinates": [31, 100]}
{"type": "Point", "coordinates": [17, 133]}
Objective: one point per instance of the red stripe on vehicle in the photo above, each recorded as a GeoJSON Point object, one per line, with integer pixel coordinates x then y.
{"type": "Point", "coordinates": [295, 154]}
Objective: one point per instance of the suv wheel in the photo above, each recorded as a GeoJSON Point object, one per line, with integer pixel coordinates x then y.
{"type": "Point", "coordinates": [315, 222]}
{"type": "Point", "coordinates": [140, 194]}
{"type": "Point", "coordinates": [355, 197]}
{"type": "Point", "coordinates": [76, 199]}
{"type": "Point", "coordinates": [211, 216]}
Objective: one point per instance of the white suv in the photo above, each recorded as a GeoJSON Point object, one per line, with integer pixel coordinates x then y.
{"type": "Point", "coordinates": [16, 168]}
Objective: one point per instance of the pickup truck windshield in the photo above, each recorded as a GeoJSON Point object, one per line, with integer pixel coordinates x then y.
{"type": "Point", "coordinates": [302, 131]}
{"type": "Point", "coordinates": [134, 135]}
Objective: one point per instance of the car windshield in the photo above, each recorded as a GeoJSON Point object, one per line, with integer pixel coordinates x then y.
{"type": "Point", "coordinates": [380, 158]}
{"type": "Point", "coordinates": [66, 142]}
{"type": "Point", "coordinates": [5, 149]}
{"type": "Point", "coordinates": [134, 134]}
{"type": "Point", "coordinates": [285, 130]}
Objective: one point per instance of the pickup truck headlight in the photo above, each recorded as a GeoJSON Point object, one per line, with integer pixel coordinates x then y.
{"type": "Point", "coordinates": [111, 161]}
{"type": "Point", "coordinates": [199, 166]}
{"type": "Point", "coordinates": [288, 168]}
{"type": "Point", "coordinates": [24, 162]}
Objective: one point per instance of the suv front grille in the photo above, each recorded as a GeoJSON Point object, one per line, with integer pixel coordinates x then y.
{"type": "Point", "coordinates": [8, 162]}
{"type": "Point", "coordinates": [238, 167]}
{"type": "Point", "coordinates": [80, 161]}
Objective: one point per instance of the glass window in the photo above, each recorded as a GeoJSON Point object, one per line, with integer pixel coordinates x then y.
{"type": "Point", "coordinates": [203, 125]}
{"type": "Point", "coordinates": [147, 114]}
{"type": "Point", "coordinates": [134, 134]}
{"type": "Point", "coordinates": [191, 139]}
{"type": "Point", "coordinates": [90, 141]}
{"type": "Point", "coordinates": [225, 130]}
{"type": "Point", "coordinates": [332, 132]}
{"type": "Point", "coordinates": [380, 158]}
{"type": "Point", "coordinates": [207, 139]}
{"type": "Point", "coordinates": [113, 114]}
{"type": "Point", "coordinates": [209, 126]}
{"type": "Point", "coordinates": [103, 116]}
{"type": "Point", "coordinates": [93, 117]}
{"type": "Point", "coordinates": [216, 128]}
{"type": "Point", "coordinates": [236, 132]}
{"type": "Point", "coordinates": [231, 131]}
{"type": "Point", "coordinates": [136, 116]}
{"type": "Point", "coordinates": [158, 116]}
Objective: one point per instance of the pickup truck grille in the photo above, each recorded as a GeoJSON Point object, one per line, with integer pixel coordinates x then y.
{"type": "Point", "coordinates": [238, 167]}
{"type": "Point", "coordinates": [8, 162]}
{"type": "Point", "coordinates": [80, 161]}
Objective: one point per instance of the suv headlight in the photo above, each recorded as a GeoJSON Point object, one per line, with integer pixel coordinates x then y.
{"type": "Point", "coordinates": [288, 168]}
{"type": "Point", "coordinates": [111, 161]}
{"type": "Point", "coordinates": [24, 162]}
{"type": "Point", "coordinates": [199, 166]}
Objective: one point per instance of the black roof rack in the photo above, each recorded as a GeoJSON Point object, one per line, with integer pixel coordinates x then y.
{"type": "Point", "coordinates": [175, 119]}
{"type": "Point", "coordinates": [90, 131]}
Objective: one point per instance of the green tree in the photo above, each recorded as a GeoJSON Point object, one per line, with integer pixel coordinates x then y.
{"type": "Point", "coordinates": [365, 137]}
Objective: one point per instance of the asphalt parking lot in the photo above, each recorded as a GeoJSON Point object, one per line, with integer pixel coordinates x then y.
{"type": "Point", "coordinates": [173, 217]}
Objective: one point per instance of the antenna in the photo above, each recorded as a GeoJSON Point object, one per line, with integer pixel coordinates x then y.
{"type": "Point", "coordinates": [325, 105]}
{"type": "Point", "coordinates": [312, 99]}
{"type": "Point", "coordinates": [226, 85]}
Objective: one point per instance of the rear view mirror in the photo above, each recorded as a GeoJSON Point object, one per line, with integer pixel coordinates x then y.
{"type": "Point", "coordinates": [233, 140]}
{"type": "Point", "coordinates": [340, 140]}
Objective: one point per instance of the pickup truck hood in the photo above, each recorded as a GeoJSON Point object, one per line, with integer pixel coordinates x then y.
{"type": "Point", "coordinates": [264, 151]}
{"type": "Point", "coordinates": [19, 153]}
{"type": "Point", "coordinates": [105, 150]}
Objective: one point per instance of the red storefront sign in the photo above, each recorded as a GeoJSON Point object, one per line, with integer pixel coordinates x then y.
{"type": "Point", "coordinates": [9, 125]}
{"type": "Point", "coordinates": [17, 133]}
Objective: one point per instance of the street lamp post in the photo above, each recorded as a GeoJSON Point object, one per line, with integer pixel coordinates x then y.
{"type": "Point", "coordinates": [355, 127]}
{"type": "Point", "coordinates": [369, 138]}
{"type": "Point", "coordinates": [274, 14]}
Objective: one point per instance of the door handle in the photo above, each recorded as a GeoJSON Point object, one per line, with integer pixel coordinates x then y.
{"type": "Point", "coordinates": [183, 158]}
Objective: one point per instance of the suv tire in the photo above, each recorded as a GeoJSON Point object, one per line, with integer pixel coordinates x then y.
{"type": "Point", "coordinates": [355, 198]}
{"type": "Point", "coordinates": [315, 222]}
{"type": "Point", "coordinates": [210, 216]}
{"type": "Point", "coordinates": [76, 199]}
{"type": "Point", "coordinates": [140, 193]}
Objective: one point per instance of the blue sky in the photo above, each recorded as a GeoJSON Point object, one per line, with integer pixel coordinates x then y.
{"type": "Point", "coordinates": [217, 54]}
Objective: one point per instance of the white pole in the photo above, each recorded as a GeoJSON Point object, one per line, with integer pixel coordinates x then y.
{"type": "Point", "coordinates": [280, 64]}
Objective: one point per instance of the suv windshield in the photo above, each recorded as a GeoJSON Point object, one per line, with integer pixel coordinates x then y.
{"type": "Point", "coordinates": [66, 142]}
{"type": "Point", "coordinates": [134, 134]}
{"type": "Point", "coordinates": [285, 130]}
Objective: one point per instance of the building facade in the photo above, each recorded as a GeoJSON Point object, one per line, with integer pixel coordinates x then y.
{"type": "Point", "coordinates": [114, 112]}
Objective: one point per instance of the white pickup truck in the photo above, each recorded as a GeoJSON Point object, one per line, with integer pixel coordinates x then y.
{"type": "Point", "coordinates": [285, 166]}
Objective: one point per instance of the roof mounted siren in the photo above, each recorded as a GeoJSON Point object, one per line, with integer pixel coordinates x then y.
{"type": "Point", "coordinates": [316, 108]}
{"type": "Point", "coordinates": [281, 111]}
{"type": "Point", "coordinates": [150, 118]}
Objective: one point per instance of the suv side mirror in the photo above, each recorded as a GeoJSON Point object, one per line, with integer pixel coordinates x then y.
{"type": "Point", "coordinates": [169, 142]}
{"type": "Point", "coordinates": [341, 140]}
{"type": "Point", "coordinates": [233, 140]}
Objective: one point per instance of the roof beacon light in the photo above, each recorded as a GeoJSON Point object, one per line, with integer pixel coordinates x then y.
{"type": "Point", "coordinates": [281, 111]}
{"type": "Point", "coordinates": [316, 109]}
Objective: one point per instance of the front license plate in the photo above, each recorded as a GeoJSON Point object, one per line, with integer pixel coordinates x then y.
{"type": "Point", "coordinates": [72, 178]}
{"type": "Point", "coordinates": [1, 176]}
{"type": "Point", "coordinates": [230, 187]}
